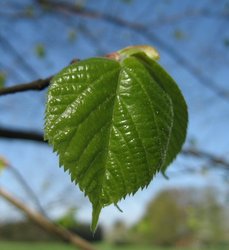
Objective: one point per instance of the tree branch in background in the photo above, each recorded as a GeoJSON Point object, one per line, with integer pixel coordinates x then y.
{"type": "Point", "coordinates": [191, 151]}
{"type": "Point", "coordinates": [19, 58]}
{"type": "Point", "coordinates": [87, 12]}
{"type": "Point", "coordinates": [144, 30]}
{"type": "Point", "coordinates": [19, 177]}
{"type": "Point", "coordinates": [213, 159]}
{"type": "Point", "coordinates": [39, 84]}
{"type": "Point", "coordinates": [46, 224]}
{"type": "Point", "coordinates": [204, 80]}
{"type": "Point", "coordinates": [21, 134]}
{"type": "Point", "coordinates": [83, 11]}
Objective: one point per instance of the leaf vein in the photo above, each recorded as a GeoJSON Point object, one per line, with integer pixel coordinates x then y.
{"type": "Point", "coordinates": [77, 125]}
{"type": "Point", "coordinates": [152, 108]}
{"type": "Point", "coordinates": [122, 102]}
{"type": "Point", "coordinates": [76, 100]}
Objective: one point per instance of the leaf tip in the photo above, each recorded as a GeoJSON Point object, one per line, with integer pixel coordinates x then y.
{"type": "Point", "coordinates": [95, 216]}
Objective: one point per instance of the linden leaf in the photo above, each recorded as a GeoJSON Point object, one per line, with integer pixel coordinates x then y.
{"type": "Point", "coordinates": [115, 124]}
{"type": "Point", "coordinates": [40, 50]}
{"type": "Point", "coordinates": [2, 79]}
{"type": "Point", "coordinates": [3, 163]}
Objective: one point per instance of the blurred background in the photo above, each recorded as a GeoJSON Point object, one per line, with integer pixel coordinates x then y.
{"type": "Point", "coordinates": [190, 209]}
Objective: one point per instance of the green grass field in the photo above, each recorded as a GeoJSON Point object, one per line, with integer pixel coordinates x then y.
{"type": "Point", "coordinates": [59, 246]}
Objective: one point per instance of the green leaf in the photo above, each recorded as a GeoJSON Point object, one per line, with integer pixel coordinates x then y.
{"type": "Point", "coordinates": [72, 35]}
{"type": "Point", "coordinates": [180, 112]}
{"type": "Point", "coordinates": [29, 11]}
{"type": "Point", "coordinates": [114, 124]}
{"type": "Point", "coordinates": [3, 163]}
{"type": "Point", "coordinates": [2, 79]}
{"type": "Point", "coordinates": [179, 34]}
{"type": "Point", "coordinates": [40, 50]}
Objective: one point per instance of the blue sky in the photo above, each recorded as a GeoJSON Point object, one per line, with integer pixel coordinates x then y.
{"type": "Point", "coordinates": [201, 39]}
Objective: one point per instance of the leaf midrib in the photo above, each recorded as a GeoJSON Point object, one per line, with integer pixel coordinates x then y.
{"type": "Point", "coordinates": [110, 127]}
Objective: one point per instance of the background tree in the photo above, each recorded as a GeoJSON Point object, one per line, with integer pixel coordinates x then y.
{"type": "Point", "coordinates": [184, 217]}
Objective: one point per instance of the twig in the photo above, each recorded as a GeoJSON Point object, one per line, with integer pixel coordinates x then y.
{"type": "Point", "coordinates": [87, 12]}
{"type": "Point", "coordinates": [20, 134]}
{"type": "Point", "coordinates": [27, 188]}
{"type": "Point", "coordinates": [46, 224]}
{"type": "Point", "coordinates": [144, 31]}
{"type": "Point", "coordinates": [39, 84]}
{"type": "Point", "coordinates": [23, 62]}
{"type": "Point", "coordinates": [204, 80]}
{"type": "Point", "coordinates": [135, 26]}
{"type": "Point", "coordinates": [35, 136]}
{"type": "Point", "coordinates": [64, 6]}
{"type": "Point", "coordinates": [202, 154]}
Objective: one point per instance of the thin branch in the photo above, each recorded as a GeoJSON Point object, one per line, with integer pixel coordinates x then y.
{"type": "Point", "coordinates": [46, 224]}
{"type": "Point", "coordinates": [35, 136]}
{"type": "Point", "coordinates": [39, 84]}
{"type": "Point", "coordinates": [216, 160]}
{"type": "Point", "coordinates": [137, 27]}
{"type": "Point", "coordinates": [144, 31]}
{"type": "Point", "coordinates": [27, 188]}
{"type": "Point", "coordinates": [92, 38]}
{"type": "Point", "coordinates": [21, 134]}
{"type": "Point", "coordinates": [11, 49]}
{"type": "Point", "coordinates": [191, 13]}
{"type": "Point", "coordinates": [87, 12]}
{"type": "Point", "coordinates": [180, 59]}
{"type": "Point", "coordinates": [94, 14]}
{"type": "Point", "coordinates": [9, 70]}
